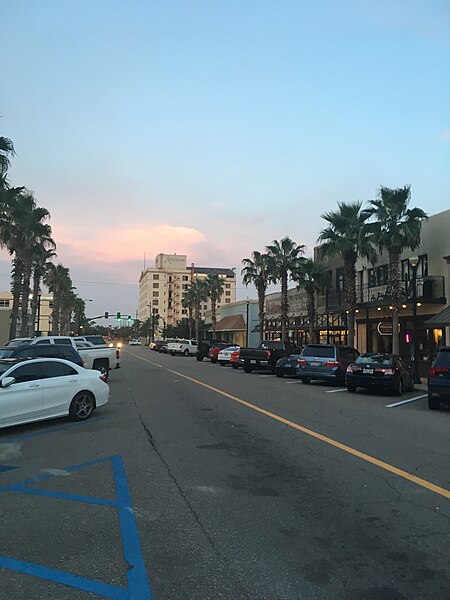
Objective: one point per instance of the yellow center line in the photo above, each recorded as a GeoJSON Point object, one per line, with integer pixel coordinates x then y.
{"type": "Point", "coordinates": [323, 438]}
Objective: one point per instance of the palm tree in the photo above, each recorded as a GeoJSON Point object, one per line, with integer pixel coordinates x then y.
{"type": "Point", "coordinates": [199, 293]}
{"type": "Point", "coordinates": [40, 257]}
{"type": "Point", "coordinates": [347, 236]}
{"type": "Point", "coordinates": [256, 271]}
{"type": "Point", "coordinates": [396, 228]}
{"type": "Point", "coordinates": [58, 281]}
{"type": "Point", "coordinates": [188, 302]}
{"type": "Point", "coordinates": [284, 259]}
{"type": "Point", "coordinates": [215, 289]}
{"type": "Point", "coordinates": [311, 276]}
{"type": "Point", "coordinates": [6, 150]}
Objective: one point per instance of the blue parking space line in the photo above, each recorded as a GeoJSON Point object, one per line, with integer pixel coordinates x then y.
{"type": "Point", "coordinates": [4, 468]}
{"type": "Point", "coordinates": [80, 583]}
{"type": "Point", "coordinates": [28, 436]}
{"type": "Point", "coordinates": [59, 495]}
{"type": "Point", "coordinates": [138, 586]}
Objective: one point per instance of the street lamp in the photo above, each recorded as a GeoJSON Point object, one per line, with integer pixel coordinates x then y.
{"type": "Point", "coordinates": [414, 261]}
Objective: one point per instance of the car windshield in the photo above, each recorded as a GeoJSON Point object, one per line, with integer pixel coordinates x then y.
{"type": "Point", "coordinates": [319, 351]}
{"type": "Point", "coordinates": [6, 352]}
{"type": "Point", "coordinates": [379, 359]}
{"type": "Point", "coordinates": [443, 358]}
{"type": "Point", "coordinates": [4, 366]}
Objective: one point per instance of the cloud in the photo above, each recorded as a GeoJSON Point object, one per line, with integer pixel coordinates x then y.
{"type": "Point", "coordinates": [445, 136]}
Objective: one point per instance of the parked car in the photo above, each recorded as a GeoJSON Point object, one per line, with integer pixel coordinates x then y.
{"type": "Point", "coordinates": [439, 380]}
{"type": "Point", "coordinates": [18, 341]}
{"type": "Point", "coordinates": [156, 345]}
{"type": "Point", "coordinates": [204, 347]}
{"type": "Point", "coordinates": [287, 366]}
{"type": "Point", "coordinates": [134, 343]}
{"type": "Point", "coordinates": [235, 360]}
{"type": "Point", "coordinates": [325, 361]}
{"type": "Point", "coordinates": [163, 347]}
{"type": "Point", "coordinates": [224, 356]}
{"type": "Point", "coordinates": [213, 352]}
{"type": "Point", "coordinates": [27, 351]}
{"type": "Point", "coordinates": [265, 356]}
{"type": "Point", "coordinates": [185, 347]}
{"type": "Point", "coordinates": [43, 388]}
{"type": "Point", "coordinates": [384, 372]}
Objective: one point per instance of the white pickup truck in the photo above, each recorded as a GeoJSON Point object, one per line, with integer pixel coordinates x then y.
{"type": "Point", "coordinates": [185, 347]}
{"type": "Point", "coordinates": [101, 357]}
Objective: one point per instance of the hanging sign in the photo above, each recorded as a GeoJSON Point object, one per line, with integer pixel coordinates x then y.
{"type": "Point", "coordinates": [385, 328]}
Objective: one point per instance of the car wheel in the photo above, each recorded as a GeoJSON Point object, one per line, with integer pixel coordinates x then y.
{"type": "Point", "coordinates": [411, 389]}
{"type": "Point", "coordinates": [398, 390]}
{"type": "Point", "coordinates": [247, 368]}
{"type": "Point", "coordinates": [279, 373]}
{"type": "Point", "coordinates": [351, 388]}
{"type": "Point", "coordinates": [235, 366]}
{"type": "Point", "coordinates": [434, 403]}
{"type": "Point", "coordinates": [186, 352]}
{"type": "Point", "coordinates": [82, 406]}
{"type": "Point", "coordinates": [213, 360]}
{"type": "Point", "coordinates": [306, 379]}
{"type": "Point", "coordinates": [222, 364]}
{"type": "Point", "coordinates": [199, 358]}
{"type": "Point", "coordinates": [103, 367]}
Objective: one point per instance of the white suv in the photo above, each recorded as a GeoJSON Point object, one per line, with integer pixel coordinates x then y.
{"type": "Point", "coordinates": [186, 347]}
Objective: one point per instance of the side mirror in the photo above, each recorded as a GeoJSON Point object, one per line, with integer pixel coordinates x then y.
{"type": "Point", "coordinates": [7, 381]}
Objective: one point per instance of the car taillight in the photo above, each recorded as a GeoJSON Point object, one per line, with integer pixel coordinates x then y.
{"type": "Point", "coordinates": [268, 354]}
{"type": "Point", "coordinates": [82, 362]}
{"type": "Point", "coordinates": [301, 362]}
{"type": "Point", "coordinates": [385, 371]}
{"type": "Point", "coordinates": [103, 378]}
{"type": "Point", "coordinates": [353, 369]}
{"type": "Point", "coordinates": [437, 370]}
{"type": "Point", "coordinates": [332, 363]}
{"type": "Point", "coordinates": [117, 354]}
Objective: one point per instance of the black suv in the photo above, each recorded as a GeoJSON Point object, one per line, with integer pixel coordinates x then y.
{"type": "Point", "coordinates": [325, 361]}
{"type": "Point", "coordinates": [42, 351]}
{"type": "Point", "coordinates": [439, 380]}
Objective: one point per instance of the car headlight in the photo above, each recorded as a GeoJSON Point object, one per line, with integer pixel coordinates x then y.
{"type": "Point", "coordinates": [119, 344]}
{"type": "Point", "coordinates": [111, 345]}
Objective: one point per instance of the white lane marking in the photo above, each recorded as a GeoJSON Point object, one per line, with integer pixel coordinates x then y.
{"type": "Point", "coordinates": [11, 450]}
{"type": "Point", "coordinates": [265, 375]}
{"type": "Point", "coordinates": [57, 472]}
{"type": "Point", "coordinates": [290, 382]}
{"type": "Point", "coordinates": [339, 390]}
{"type": "Point", "coordinates": [406, 401]}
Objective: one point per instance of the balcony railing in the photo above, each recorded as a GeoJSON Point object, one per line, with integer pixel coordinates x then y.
{"type": "Point", "coordinates": [428, 289]}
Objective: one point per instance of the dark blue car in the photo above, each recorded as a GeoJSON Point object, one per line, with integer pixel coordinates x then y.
{"type": "Point", "coordinates": [439, 380]}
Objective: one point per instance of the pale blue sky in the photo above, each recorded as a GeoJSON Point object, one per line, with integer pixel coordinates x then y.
{"type": "Point", "coordinates": [214, 127]}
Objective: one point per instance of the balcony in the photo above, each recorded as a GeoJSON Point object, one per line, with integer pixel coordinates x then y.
{"type": "Point", "coordinates": [429, 289]}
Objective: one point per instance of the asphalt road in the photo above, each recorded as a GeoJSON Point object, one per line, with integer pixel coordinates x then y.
{"type": "Point", "coordinates": [200, 482]}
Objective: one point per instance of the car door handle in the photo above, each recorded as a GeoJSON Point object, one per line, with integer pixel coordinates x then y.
{"type": "Point", "coordinates": [72, 381]}
{"type": "Point", "coordinates": [34, 385]}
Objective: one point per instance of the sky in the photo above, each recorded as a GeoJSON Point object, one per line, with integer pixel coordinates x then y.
{"type": "Point", "coordinates": [210, 128]}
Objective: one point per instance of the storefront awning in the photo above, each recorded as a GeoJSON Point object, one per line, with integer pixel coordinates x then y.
{"type": "Point", "coordinates": [442, 319]}
{"type": "Point", "coordinates": [231, 323]}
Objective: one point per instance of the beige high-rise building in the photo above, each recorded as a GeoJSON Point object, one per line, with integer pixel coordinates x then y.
{"type": "Point", "coordinates": [162, 287]}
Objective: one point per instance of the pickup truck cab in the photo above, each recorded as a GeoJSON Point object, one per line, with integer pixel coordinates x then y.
{"type": "Point", "coordinates": [265, 356]}
{"type": "Point", "coordinates": [185, 347]}
{"type": "Point", "coordinates": [101, 358]}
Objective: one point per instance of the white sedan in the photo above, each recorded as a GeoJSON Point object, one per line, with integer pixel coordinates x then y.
{"type": "Point", "coordinates": [224, 355]}
{"type": "Point", "coordinates": [46, 388]}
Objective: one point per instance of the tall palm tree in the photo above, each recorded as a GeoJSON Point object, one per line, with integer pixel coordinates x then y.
{"type": "Point", "coordinates": [396, 228]}
{"type": "Point", "coordinates": [199, 292]}
{"type": "Point", "coordinates": [256, 271]}
{"type": "Point", "coordinates": [284, 259]}
{"type": "Point", "coordinates": [58, 281]}
{"type": "Point", "coordinates": [311, 276]}
{"type": "Point", "coordinates": [79, 310]}
{"type": "Point", "coordinates": [215, 289]}
{"type": "Point", "coordinates": [188, 302]}
{"type": "Point", "coordinates": [41, 256]}
{"type": "Point", "coordinates": [347, 235]}
{"type": "Point", "coordinates": [6, 151]}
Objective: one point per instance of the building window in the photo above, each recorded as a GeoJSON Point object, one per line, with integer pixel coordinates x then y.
{"type": "Point", "coordinates": [156, 285]}
{"type": "Point", "coordinates": [227, 300]}
{"type": "Point", "coordinates": [184, 311]}
{"type": "Point", "coordinates": [155, 276]}
{"type": "Point", "coordinates": [185, 278]}
{"type": "Point", "coordinates": [227, 293]}
{"type": "Point", "coordinates": [378, 276]}
{"type": "Point", "coordinates": [422, 268]}
{"type": "Point", "coordinates": [155, 301]}
{"type": "Point", "coordinates": [155, 294]}
{"type": "Point", "coordinates": [228, 285]}
{"type": "Point", "coordinates": [205, 307]}
{"type": "Point", "coordinates": [50, 304]}
{"type": "Point", "coordinates": [4, 303]}
{"type": "Point", "coordinates": [340, 279]}
{"type": "Point", "coordinates": [185, 286]}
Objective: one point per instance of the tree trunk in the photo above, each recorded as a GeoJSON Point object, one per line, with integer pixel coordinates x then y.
{"type": "Point", "coordinates": [197, 322]}
{"type": "Point", "coordinates": [16, 291]}
{"type": "Point", "coordinates": [350, 298]}
{"type": "Point", "coordinates": [394, 289]}
{"type": "Point", "coordinates": [36, 299]}
{"type": "Point", "coordinates": [213, 316]}
{"type": "Point", "coordinates": [190, 322]}
{"type": "Point", "coordinates": [284, 306]}
{"type": "Point", "coordinates": [262, 312]}
{"type": "Point", "coordinates": [25, 299]}
{"type": "Point", "coordinates": [311, 315]}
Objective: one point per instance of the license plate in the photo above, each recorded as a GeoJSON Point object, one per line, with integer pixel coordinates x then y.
{"type": "Point", "coordinates": [315, 363]}
{"type": "Point", "coordinates": [253, 362]}
{"type": "Point", "coordinates": [368, 371]}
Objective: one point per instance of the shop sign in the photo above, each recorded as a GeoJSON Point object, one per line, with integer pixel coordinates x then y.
{"type": "Point", "coordinates": [385, 328]}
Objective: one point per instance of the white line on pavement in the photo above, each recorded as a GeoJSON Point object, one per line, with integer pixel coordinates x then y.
{"type": "Point", "coordinates": [339, 390]}
{"type": "Point", "coordinates": [290, 382]}
{"type": "Point", "coordinates": [406, 401]}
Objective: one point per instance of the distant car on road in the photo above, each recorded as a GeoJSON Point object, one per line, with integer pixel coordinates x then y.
{"type": "Point", "coordinates": [134, 343]}
{"type": "Point", "coordinates": [265, 356]}
{"type": "Point", "coordinates": [43, 388]}
{"type": "Point", "coordinates": [439, 380]}
{"type": "Point", "coordinates": [224, 356]}
{"type": "Point", "coordinates": [383, 372]}
{"type": "Point", "coordinates": [325, 361]}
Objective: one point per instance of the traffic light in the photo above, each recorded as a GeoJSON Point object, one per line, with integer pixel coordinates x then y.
{"type": "Point", "coordinates": [118, 316]}
{"type": "Point", "coordinates": [106, 315]}
{"type": "Point", "coordinates": [129, 318]}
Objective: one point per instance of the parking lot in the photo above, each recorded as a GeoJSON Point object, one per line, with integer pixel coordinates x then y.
{"type": "Point", "coordinates": [200, 481]}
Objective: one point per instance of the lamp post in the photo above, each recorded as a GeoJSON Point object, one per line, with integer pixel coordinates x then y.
{"type": "Point", "coordinates": [414, 261]}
